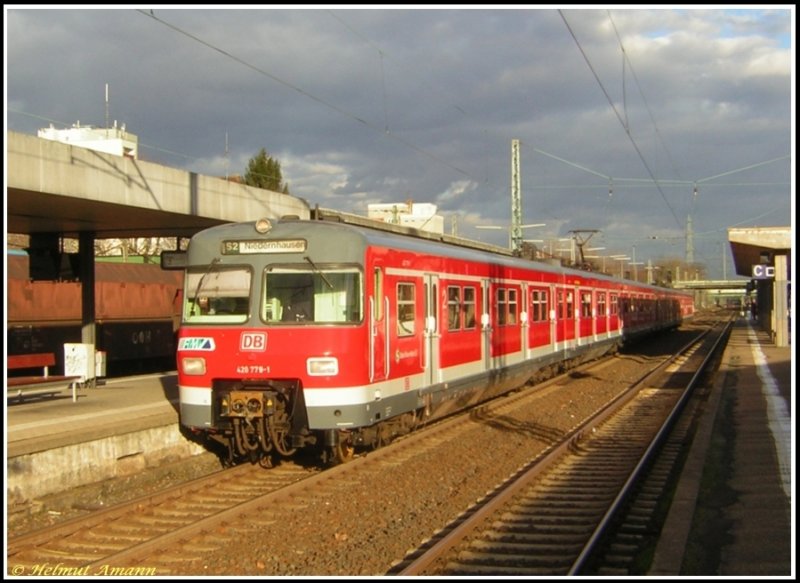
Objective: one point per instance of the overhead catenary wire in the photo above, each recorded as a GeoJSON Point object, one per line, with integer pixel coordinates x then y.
{"type": "Point", "coordinates": [384, 53]}
{"type": "Point", "coordinates": [619, 117]}
{"type": "Point", "coordinates": [626, 59]}
{"type": "Point", "coordinates": [319, 100]}
{"type": "Point", "coordinates": [385, 131]}
{"type": "Point", "coordinates": [642, 182]}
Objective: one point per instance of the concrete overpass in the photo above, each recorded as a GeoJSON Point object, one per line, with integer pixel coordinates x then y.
{"type": "Point", "coordinates": [711, 284]}
{"type": "Point", "coordinates": [56, 190]}
{"type": "Point", "coordinates": [714, 292]}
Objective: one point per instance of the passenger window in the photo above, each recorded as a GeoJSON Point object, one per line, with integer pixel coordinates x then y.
{"type": "Point", "coordinates": [569, 307]}
{"type": "Point", "coordinates": [512, 306]}
{"type": "Point", "coordinates": [378, 293]}
{"type": "Point", "coordinates": [539, 305]}
{"type": "Point", "coordinates": [453, 308]}
{"type": "Point", "coordinates": [586, 304]}
{"type": "Point", "coordinates": [406, 309]}
{"type": "Point", "coordinates": [502, 307]}
{"type": "Point", "coordinates": [469, 308]}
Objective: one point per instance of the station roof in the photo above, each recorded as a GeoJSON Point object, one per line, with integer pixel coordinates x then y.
{"type": "Point", "coordinates": [31, 212]}
{"type": "Point", "coordinates": [758, 246]}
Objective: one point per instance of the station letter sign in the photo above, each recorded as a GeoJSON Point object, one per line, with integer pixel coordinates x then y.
{"type": "Point", "coordinates": [763, 271]}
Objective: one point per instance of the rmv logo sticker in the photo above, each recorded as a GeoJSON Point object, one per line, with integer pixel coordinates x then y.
{"type": "Point", "coordinates": [196, 344]}
{"type": "Point", "coordinates": [253, 342]}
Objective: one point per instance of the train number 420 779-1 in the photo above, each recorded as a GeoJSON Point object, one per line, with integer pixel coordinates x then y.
{"type": "Point", "coordinates": [252, 369]}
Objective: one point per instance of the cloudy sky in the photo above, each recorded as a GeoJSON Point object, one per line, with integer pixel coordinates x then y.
{"type": "Point", "coordinates": [630, 121]}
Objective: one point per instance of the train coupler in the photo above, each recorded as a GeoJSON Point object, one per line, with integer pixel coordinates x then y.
{"type": "Point", "coordinates": [247, 404]}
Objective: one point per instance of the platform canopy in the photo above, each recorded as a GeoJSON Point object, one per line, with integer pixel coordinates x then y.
{"type": "Point", "coordinates": [758, 246]}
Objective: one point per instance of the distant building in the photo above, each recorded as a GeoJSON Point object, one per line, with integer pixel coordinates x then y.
{"type": "Point", "coordinates": [114, 140]}
{"type": "Point", "coordinates": [419, 215]}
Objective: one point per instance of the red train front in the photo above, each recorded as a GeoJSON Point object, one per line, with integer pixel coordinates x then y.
{"type": "Point", "coordinates": [274, 325]}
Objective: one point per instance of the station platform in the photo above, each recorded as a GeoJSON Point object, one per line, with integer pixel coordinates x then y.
{"type": "Point", "coordinates": [732, 513]}
{"type": "Point", "coordinates": [113, 406]}
{"type": "Point", "coordinates": [115, 428]}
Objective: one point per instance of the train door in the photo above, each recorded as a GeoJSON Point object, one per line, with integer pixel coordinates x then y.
{"type": "Point", "coordinates": [587, 315]}
{"type": "Point", "coordinates": [565, 305]}
{"type": "Point", "coordinates": [378, 329]}
{"type": "Point", "coordinates": [506, 337]}
{"type": "Point", "coordinates": [613, 313]}
{"type": "Point", "coordinates": [405, 330]}
{"type": "Point", "coordinates": [602, 313]}
{"type": "Point", "coordinates": [431, 330]}
{"type": "Point", "coordinates": [540, 317]}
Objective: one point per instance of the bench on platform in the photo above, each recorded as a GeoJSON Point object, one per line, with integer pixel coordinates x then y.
{"type": "Point", "coordinates": [41, 385]}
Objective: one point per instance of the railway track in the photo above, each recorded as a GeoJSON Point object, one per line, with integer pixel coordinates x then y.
{"type": "Point", "coordinates": [96, 540]}
{"type": "Point", "coordinates": [171, 531]}
{"type": "Point", "coordinates": [588, 503]}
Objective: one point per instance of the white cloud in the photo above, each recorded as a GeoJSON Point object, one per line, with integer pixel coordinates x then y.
{"type": "Point", "coordinates": [455, 191]}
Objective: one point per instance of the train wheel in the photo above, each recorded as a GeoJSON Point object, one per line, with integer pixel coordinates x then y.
{"type": "Point", "coordinates": [265, 461]}
{"type": "Point", "coordinates": [343, 451]}
{"type": "Point", "coordinates": [383, 437]}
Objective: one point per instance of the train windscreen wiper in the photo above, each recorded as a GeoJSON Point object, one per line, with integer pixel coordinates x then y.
{"type": "Point", "coordinates": [200, 285]}
{"type": "Point", "coordinates": [318, 270]}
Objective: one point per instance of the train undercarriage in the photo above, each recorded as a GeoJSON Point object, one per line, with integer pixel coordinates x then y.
{"type": "Point", "coordinates": [263, 423]}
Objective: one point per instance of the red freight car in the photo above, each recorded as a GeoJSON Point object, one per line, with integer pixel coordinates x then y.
{"type": "Point", "coordinates": [137, 314]}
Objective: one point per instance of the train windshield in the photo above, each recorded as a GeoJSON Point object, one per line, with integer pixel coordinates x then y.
{"type": "Point", "coordinates": [217, 295]}
{"type": "Point", "coordinates": [312, 294]}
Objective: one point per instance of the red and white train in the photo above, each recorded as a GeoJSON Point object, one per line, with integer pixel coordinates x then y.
{"type": "Point", "coordinates": [299, 333]}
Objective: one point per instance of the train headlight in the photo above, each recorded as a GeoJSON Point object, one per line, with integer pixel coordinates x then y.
{"type": "Point", "coordinates": [322, 367]}
{"type": "Point", "coordinates": [263, 226]}
{"type": "Point", "coordinates": [193, 366]}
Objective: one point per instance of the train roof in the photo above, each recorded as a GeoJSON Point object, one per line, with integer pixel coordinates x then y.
{"type": "Point", "coordinates": [352, 234]}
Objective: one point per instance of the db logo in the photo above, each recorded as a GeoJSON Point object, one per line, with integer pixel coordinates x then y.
{"type": "Point", "coordinates": [253, 341]}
